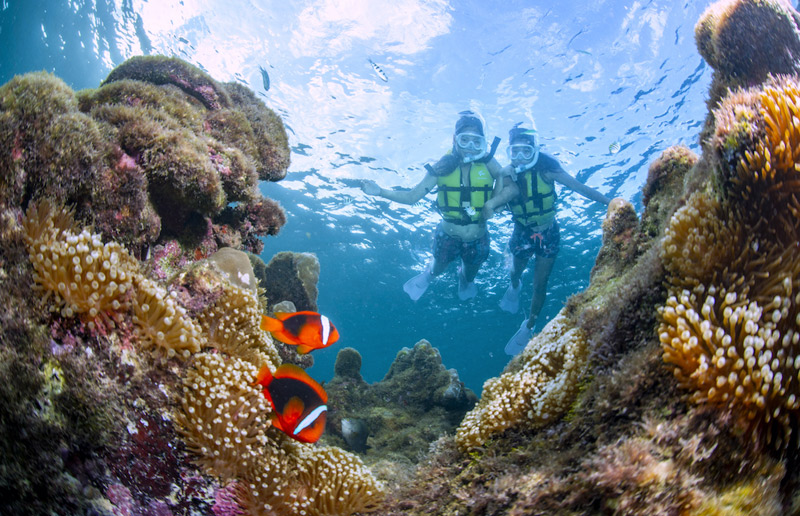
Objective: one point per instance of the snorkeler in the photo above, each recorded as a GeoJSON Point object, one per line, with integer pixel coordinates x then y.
{"type": "Point", "coordinates": [470, 184]}
{"type": "Point", "coordinates": [535, 225]}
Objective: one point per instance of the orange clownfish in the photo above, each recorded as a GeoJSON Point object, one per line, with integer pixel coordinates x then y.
{"type": "Point", "coordinates": [298, 402]}
{"type": "Point", "coordinates": [306, 330]}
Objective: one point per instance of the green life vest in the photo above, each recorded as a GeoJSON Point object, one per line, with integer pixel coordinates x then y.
{"type": "Point", "coordinates": [462, 204]}
{"type": "Point", "coordinates": [536, 203]}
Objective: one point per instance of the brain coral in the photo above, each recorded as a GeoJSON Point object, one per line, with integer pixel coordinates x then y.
{"type": "Point", "coordinates": [730, 325]}
{"type": "Point", "coordinates": [540, 389]}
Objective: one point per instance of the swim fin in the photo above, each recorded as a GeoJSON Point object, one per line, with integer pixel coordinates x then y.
{"type": "Point", "coordinates": [520, 339]}
{"type": "Point", "coordinates": [417, 285]}
{"type": "Point", "coordinates": [510, 301]}
{"type": "Point", "coordinates": [466, 289]}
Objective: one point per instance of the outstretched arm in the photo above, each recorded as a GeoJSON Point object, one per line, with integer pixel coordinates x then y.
{"type": "Point", "coordinates": [573, 184]}
{"type": "Point", "coordinates": [402, 196]}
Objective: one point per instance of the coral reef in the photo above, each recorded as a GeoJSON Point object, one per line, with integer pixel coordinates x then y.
{"type": "Point", "coordinates": [348, 365]}
{"type": "Point", "coordinates": [397, 418]}
{"type": "Point", "coordinates": [731, 38]}
{"type": "Point", "coordinates": [724, 280]}
{"type": "Point", "coordinates": [537, 388]}
{"type": "Point", "coordinates": [160, 159]}
{"type": "Point", "coordinates": [730, 325]}
{"type": "Point", "coordinates": [620, 239]}
{"type": "Point", "coordinates": [159, 151]}
{"type": "Point", "coordinates": [292, 277]}
{"type": "Point", "coordinates": [665, 179]}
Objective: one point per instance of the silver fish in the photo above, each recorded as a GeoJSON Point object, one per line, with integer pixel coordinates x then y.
{"type": "Point", "coordinates": [264, 78]}
{"type": "Point", "coordinates": [355, 433]}
{"type": "Point", "coordinates": [378, 71]}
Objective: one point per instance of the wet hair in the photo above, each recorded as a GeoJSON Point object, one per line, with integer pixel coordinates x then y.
{"type": "Point", "coordinates": [444, 166]}
{"type": "Point", "coordinates": [521, 133]}
{"type": "Point", "coordinates": [467, 119]}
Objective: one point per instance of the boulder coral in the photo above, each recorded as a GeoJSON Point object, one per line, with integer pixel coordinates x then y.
{"type": "Point", "coordinates": [665, 179]}
{"type": "Point", "coordinates": [160, 150]}
{"type": "Point", "coordinates": [292, 277]}
{"type": "Point", "coordinates": [732, 39]}
{"type": "Point", "coordinates": [416, 402]}
{"type": "Point", "coordinates": [731, 324]}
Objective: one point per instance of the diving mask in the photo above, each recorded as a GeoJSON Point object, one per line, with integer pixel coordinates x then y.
{"type": "Point", "coordinates": [520, 152]}
{"type": "Point", "coordinates": [471, 142]}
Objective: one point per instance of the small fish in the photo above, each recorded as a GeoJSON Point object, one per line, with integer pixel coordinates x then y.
{"type": "Point", "coordinates": [614, 148]}
{"type": "Point", "coordinates": [306, 330]}
{"type": "Point", "coordinates": [264, 77]}
{"type": "Point", "coordinates": [378, 71]}
{"type": "Point", "coordinates": [298, 402]}
{"type": "Point", "coordinates": [355, 433]}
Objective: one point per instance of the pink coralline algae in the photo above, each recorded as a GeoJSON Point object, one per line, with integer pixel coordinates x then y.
{"type": "Point", "coordinates": [225, 503]}
{"type": "Point", "coordinates": [160, 151]}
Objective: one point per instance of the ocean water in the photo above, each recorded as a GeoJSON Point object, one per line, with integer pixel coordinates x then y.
{"type": "Point", "coordinates": [608, 84]}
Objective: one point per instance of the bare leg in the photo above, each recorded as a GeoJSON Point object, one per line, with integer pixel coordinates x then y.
{"type": "Point", "coordinates": [438, 267]}
{"type": "Point", "coordinates": [470, 271]}
{"type": "Point", "coordinates": [541, 273]}
{"type": "Point", "coordinates": [516, 272]}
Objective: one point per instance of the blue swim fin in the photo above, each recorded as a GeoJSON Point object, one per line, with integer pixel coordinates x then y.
{"type": "Point", "coordinates": [510, 301]}
{"type": "Point", "coordinates": [466, 289]}
{"type": "Point", "coordinates": [519, 340]}
{"type": "Point", "coordinates": [417, 285]}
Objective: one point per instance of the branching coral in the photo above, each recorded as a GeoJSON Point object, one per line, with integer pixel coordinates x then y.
{"type": "Point", "coordinates": [541, 390]}
{"type": "Point", "coordinates": [731, 324]}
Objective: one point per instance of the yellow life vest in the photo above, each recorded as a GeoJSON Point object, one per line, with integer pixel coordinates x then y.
{"type": "Point", "coordinates": [462, 204]}
{"type": "Point", "coordinates": [536, 203]}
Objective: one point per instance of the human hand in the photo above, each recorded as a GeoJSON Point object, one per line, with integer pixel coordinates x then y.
{"type": "Point", "coordinates": [487, 212]}
{"type": "Point", "coordinates": [370, 187]}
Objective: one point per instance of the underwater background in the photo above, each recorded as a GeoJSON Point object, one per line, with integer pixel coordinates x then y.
{"type": "Point", "coordinates": [136, 198]}
{"type": "Point", "coordinates": [609, 85]}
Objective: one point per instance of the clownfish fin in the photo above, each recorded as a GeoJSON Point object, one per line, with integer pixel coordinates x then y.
{"type": "Point", "coordinates": [271, 325]}
{"type": "Point", "coordinates": [302, 349]}
{"type": "Point", "coordinates": [276, 422]}
{"type": "Point", "coordinates": [264, 376]}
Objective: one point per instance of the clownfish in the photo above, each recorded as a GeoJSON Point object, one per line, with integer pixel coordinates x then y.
{"type": "Point", "coordinates": [298, 402]}
{"type": "Point", "coordinates": [306, 330]}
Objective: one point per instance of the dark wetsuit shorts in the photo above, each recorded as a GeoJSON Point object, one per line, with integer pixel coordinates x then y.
{"type": "Point", "coordinates": [524, 242]}
{"type": "Point", "coordinates": [446, 248]}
